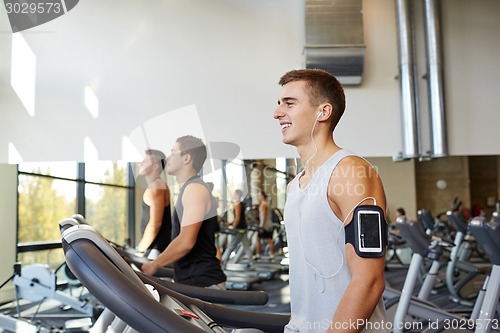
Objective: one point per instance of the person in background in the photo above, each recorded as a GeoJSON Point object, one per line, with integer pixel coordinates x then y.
{"type": "Point", "coordinates": [156, 220]}
{"type": "Point", "coordinates": [192, 249]}
{"type": "Point", "coordinates": [210, 187]}
{"type": "Point", "coordinates": [265, 227]}
{"type": "Point", "coordinates": [239, 223]}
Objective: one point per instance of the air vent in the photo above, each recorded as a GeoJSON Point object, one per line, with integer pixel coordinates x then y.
{"type": "Point", "coordinates": [334, 38]}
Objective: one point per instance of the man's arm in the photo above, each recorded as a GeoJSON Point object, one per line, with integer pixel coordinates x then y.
{"type": "Point", "coordinates": [360, 183]}
{"type": "Point", "coordinates": [157, 207]}
{"type": "Point", "coordinates": [196, 203]}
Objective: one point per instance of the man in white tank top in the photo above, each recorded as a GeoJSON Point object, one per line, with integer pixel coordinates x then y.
{"type": "Point", "coordinates": [332, 289]}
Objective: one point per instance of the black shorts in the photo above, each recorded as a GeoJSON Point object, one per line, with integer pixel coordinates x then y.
{"type": "Point", "coordinates": [266, 234]}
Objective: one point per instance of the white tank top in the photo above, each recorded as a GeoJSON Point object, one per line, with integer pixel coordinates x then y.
{"type": "Point", "coordinates": [318, 274]}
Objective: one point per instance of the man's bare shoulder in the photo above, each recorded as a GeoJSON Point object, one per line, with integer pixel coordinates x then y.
{"type": "Point", "coordinates": [354, 168]}
{"type": "Point", "coordinates": [354, 181]}
{"type": "Point", "coordinates": [196, 190]}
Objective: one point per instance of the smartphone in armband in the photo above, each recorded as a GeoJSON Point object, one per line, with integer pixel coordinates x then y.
{"type": "Point", "coordinates": [368, 229]}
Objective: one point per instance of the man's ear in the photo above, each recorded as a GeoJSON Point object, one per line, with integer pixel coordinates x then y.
{"type": "Point", "coordinates": [187, 158]}
{"type": "Point", "coordinates": [326, 109]}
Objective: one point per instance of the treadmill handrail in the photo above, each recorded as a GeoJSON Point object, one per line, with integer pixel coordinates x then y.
{"type": "Point", "coordinates": [487, 234]}
{"type": "Point", "coordinates": [128, 300]}
{"type": "Point", "coordinates": [82, 231]}
{"type": "Point", "coordinates": [414, 235]}
{"type": "Point", "coordinates": [89, 261]}
{"type": "Point", "coordinates": [67, 223]}
{"type": "Point", "coordinates": [267, 322]}
{"type": "Point", "coordinates": [233, 297]}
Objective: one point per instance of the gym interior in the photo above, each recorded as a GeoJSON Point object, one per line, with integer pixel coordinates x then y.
{"type": "Point", "coordinates": [83, 95]}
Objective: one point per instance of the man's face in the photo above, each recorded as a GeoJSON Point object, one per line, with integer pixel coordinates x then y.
{"type": "Point", "coordinates": [175, 160]}
{"type": "Point", "coordinates": [295, 113]}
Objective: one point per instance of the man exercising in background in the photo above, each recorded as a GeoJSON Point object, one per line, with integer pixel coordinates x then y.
{"type": "Point", "coordinates": [156, 219]}
{"type": "Point", "coordinates": [192, 249]}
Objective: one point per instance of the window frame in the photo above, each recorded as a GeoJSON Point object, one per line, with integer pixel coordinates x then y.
{"type": "Point", "coordinates": [81, 182]}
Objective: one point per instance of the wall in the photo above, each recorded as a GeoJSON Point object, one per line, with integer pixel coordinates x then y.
{"type": "Point", "coordinates": [474, 180]}
{"type": "Point", "coordinates": [225, 57]}
{"type": "Point", "coordinates": [454, 171]}
{"type": "Point", "coordinates": [483, 172]}
{"type": "Point", "coordinates": [472, 68]}
{"type": "Point", "coordinates": [141, 62]}
{"type": "Point", "coordinates": [8, 235]}
{"type": "Point", "coordinates": [370, 125]}
{"type": "Point", "coordinates": [399, 184]}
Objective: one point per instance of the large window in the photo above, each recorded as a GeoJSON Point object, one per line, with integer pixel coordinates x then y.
{"type": "Point", "coordinates": [50, 192]}
{"type": "Point", "coordinates": [106, 199]}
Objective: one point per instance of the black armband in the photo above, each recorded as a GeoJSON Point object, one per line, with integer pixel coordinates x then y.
{"type": "Point", "coordinates": [367, 231]}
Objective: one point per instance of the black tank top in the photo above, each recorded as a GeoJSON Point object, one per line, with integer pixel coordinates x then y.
{"type": "Point", "coordinates": [243, 222]}
{"type": "Point", "coordinates": [164, 235]}
{"type": "Point", "coordinates": [200, 267]}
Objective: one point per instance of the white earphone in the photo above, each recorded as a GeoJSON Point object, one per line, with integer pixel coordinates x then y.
{"type": "Point", "coordinates": [321, 114]}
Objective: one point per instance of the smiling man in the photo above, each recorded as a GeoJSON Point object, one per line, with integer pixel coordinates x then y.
{"type": "Point", "coordinates": [333, 286]}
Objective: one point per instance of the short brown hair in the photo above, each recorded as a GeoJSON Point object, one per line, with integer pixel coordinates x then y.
{"type": "Point", "coordinates": [321, 87]}
{"type": "Point", "coordinates": [188, 144]}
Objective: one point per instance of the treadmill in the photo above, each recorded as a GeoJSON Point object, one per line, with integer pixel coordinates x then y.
{"type": "Point", "coordinates": [157, 308]}
{"type": "Point", "coordinates": [279, 263]}
{"type": "Point", "coordinates": [236, 268]}
{"type": "Point", "coordinates": [233, 282]}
